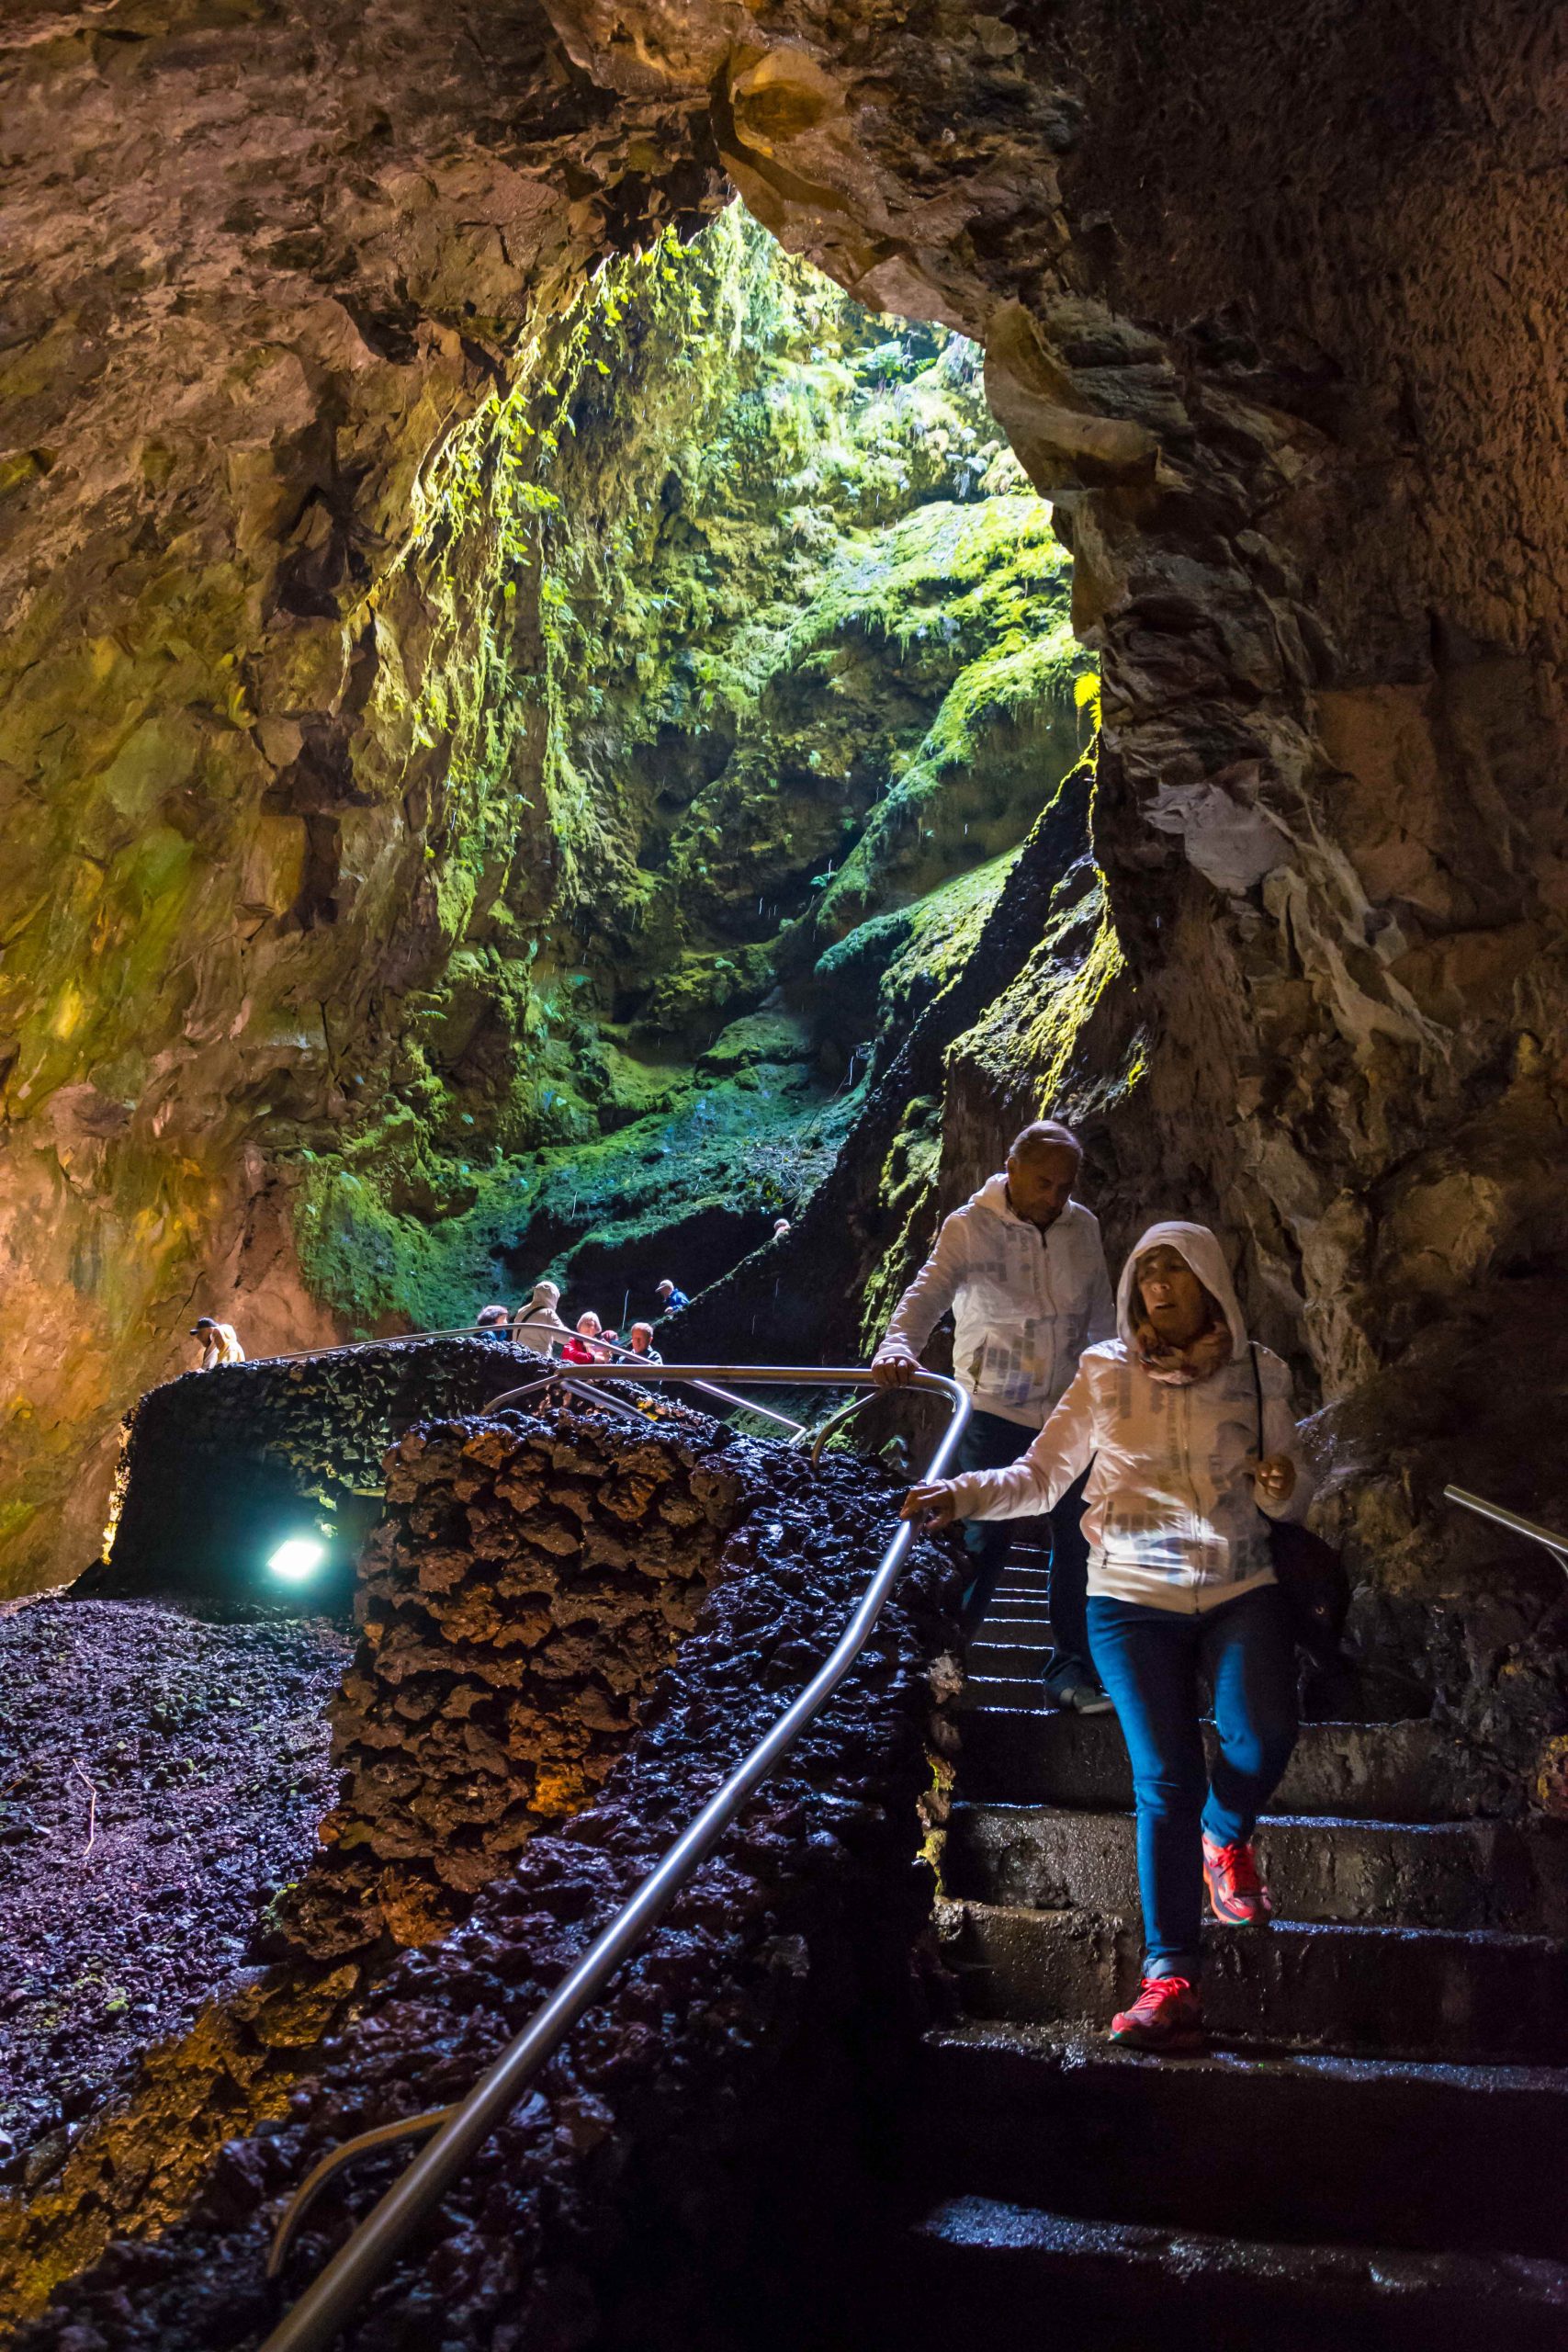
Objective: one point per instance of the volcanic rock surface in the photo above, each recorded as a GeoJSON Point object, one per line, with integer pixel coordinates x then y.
{"type": "Point", "coordinates": [714, 2101]}
{"type": "Point", "coordinates": [529, 1581]}
{"type": "Point", "coordinates": [163, 1775]}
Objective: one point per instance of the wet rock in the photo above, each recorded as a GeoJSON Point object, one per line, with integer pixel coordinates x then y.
{"type": "Point", "coordinates": [675, 2134]}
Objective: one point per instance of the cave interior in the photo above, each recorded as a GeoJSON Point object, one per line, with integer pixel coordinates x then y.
{"type": "Point", "coordinates": [622, 623]}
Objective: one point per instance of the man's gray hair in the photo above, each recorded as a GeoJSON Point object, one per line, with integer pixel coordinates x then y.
{"type": "Point", "coordinates": [1043, 1135]}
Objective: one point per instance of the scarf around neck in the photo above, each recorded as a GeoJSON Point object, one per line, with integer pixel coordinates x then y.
{"type": "Point", "coordinates": [1182, 1367]}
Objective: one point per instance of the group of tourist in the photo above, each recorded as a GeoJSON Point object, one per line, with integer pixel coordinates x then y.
{"type": "Point", "coordinates": [1163, 1445]}
{"type": "Point", "coordinates": [539, 1324]}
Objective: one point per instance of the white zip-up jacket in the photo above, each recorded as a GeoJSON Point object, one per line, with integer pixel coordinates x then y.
{"type": "Point", "coordinates": [1170, 1509]}
{"type": "Point", "coordinates": [1025, 1303]}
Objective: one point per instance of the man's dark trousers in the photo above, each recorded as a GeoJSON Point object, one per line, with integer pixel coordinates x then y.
{"type": "Point", "coordinates": [990, 1444]}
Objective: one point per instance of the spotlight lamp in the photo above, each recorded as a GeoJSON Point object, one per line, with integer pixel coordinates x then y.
{"type": "Point", "coordinates": [298, 1557]}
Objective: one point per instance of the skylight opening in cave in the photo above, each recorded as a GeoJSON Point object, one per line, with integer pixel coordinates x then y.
{"type": "Point", "coordinates": [742, 668]}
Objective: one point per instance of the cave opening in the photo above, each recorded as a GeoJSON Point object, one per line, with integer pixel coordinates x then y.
{"type": "Point", "coordinates": [744, 643]}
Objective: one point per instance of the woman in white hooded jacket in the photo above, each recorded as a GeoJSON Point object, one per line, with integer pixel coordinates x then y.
{"type": "Point", "coordinates": [1180, 1584]}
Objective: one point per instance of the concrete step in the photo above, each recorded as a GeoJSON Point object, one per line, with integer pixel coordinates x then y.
{"type": "Point", "coordinates": [1374, 1873]}
{"type": "Point", "coordinates": [992, 1657]}
{"type": "Point", "coordinates": [1022, 1695]}
{"type": "Point", "coordinates": [978, 2269]}
{"type": "Point", "coordinates": [1395, 1771]}
{"type": "Point", "coordinates": [1303, 2147]}
{"type": "Point", "coordinates": [1482, 1997]}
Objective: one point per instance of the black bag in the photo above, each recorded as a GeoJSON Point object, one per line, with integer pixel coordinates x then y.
{"type": "Point", "coordinates": [1309, 1572]}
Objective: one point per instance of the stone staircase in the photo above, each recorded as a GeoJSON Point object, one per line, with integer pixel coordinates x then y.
{"type": "Point", "coordinates": [1374, 2148]}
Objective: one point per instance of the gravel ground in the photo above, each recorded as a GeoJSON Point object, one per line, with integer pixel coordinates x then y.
{"type": "Point", "coordinates": [161, 1774]}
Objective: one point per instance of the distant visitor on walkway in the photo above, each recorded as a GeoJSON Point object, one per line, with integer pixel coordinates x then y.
{"type": "Point", "coordinates": [586, 1344]}
{"type": "Point", "coordinates": [539, 1322]}
{"type": "Point", "coordinates": [219, 1342]}
{"type": "Point", "coordinates": [1181, 1587]}
{"type": "Point", "coordinates": [1023, 1267]}
{"type": "Point", "coordinates": [670, 1297]}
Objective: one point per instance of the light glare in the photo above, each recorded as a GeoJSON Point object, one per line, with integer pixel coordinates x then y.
{"type": "Point", "coordinates": [298, 1557]}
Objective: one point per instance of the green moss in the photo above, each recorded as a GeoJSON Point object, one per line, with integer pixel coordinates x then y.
{"type": "Point", "coordinates": [733, 622]}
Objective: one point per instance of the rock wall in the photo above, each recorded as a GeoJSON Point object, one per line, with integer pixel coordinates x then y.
{"type": "Point", "coordinates": [529, 1582]}
{"type": "Point", "coordinates": [707, 2123]}
{"type": "Point", "coordinates": [258, 265]}
{"type": "Point", "coordinates": [219, 1467]}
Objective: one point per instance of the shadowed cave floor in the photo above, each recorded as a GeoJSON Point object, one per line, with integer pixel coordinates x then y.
{"type": "Point", "coordinates": [195, 1750]}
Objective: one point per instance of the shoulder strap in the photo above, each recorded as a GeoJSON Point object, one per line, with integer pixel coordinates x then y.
{"type": "Point", "coordinates": [1257, 1392]}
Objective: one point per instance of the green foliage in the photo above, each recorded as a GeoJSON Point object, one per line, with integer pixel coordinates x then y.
{"type": "Point", "coordinates": [731, 624]}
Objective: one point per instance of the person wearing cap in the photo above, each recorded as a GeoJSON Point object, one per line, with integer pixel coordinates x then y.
{"type": "Point", "coordinates": [670, 1297]}
{"type": "Point", "coordinates": [1023, 1267]}
{"type": "Point", "coordinates": [219, 1342]}
{"type": "Point", "coordinates": [781, 1227]}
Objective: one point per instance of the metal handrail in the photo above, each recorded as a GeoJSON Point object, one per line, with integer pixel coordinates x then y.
{"type": "Point", "coordinates": [1556, 1544]}
{"type": "Point", "coordinates": [623, 1354]}
{"type": "Point", "coordinates": [460, 2133]}
{"type": "Point", "coordinates": [495, 1331]}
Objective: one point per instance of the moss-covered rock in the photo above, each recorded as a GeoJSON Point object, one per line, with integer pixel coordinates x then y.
{"type": "Point", "coordinates": [738, 631]}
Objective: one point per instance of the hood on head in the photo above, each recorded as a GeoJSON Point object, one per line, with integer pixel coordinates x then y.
{"type": "Point", "coordinates": [544, 1294]}
{"type": "Point", "coordinates": [1203, 1254]}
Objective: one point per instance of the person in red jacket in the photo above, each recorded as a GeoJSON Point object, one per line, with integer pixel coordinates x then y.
{"type": "Point", "coordinates": [585, 1345]}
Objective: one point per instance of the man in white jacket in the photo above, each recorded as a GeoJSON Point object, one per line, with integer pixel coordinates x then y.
{"type": "Point", "coordinates": [1023, 1267]}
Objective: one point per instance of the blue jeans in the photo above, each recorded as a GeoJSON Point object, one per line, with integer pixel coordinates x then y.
{"type": "Point", "coordinates": [990, 1444]}
{"type": "Point", "coordinates": [1149, 1660]}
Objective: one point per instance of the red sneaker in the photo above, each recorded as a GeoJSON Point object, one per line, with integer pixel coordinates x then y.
{"type": "Point", "coordinates": [1237, 1894]}
{"type": "Point", "coordinates": [1165, 2015]}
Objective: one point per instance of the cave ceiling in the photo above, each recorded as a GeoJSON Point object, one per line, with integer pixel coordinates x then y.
{"type": "Point", "coordinates": [1272, 312]}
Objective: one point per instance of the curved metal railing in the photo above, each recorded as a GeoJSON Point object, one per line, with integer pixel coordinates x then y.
{"type": "Point", "coordinates": [461, 2131]}
{"type": "Point", "coordinates": [1556, 1544]}
{"type": "Point", "coordinates": [742, 1372]}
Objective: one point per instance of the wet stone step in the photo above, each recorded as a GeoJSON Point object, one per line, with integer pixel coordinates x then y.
{"type": "Point", "coordinates": [979, 2269]}
{"type": "Point", "coordinates": [1395, 1771]}
{"type": "Point", "coordinates": [1447, 1875]}
{"type": "Point", "coordinates": [1483, 1996]}
{"type": "Point", "coordinates": [1025, 1694]}
{"type": "Point", "coordinates": [1033, 1628]}
{"type": "Point", "coordinates": [1006, 1657]}
{"type": "Point", "coordinates": [1293, 2146]}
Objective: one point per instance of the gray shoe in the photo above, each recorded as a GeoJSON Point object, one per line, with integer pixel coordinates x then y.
{"type": "Point", "coordinates": [1080, 1698]}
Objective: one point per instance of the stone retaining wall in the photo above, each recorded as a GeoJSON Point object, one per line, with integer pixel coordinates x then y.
{"type": "Point", "coordinates": [218, 1467]}
{"type": "Point", "coordinates": [529, 1580]}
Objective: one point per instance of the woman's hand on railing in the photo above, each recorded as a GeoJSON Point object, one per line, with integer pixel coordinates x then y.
{"type": "Point", "coordinates": [936, 1504]}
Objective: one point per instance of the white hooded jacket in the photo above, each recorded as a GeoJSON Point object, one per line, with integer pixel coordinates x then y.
{"type": "Point", "coordinates": [539, 1315]}
{"type": "Point", "coordinates": [1170, 1509]}
{"type": "Point", "coordinates": [1025, 1303]}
